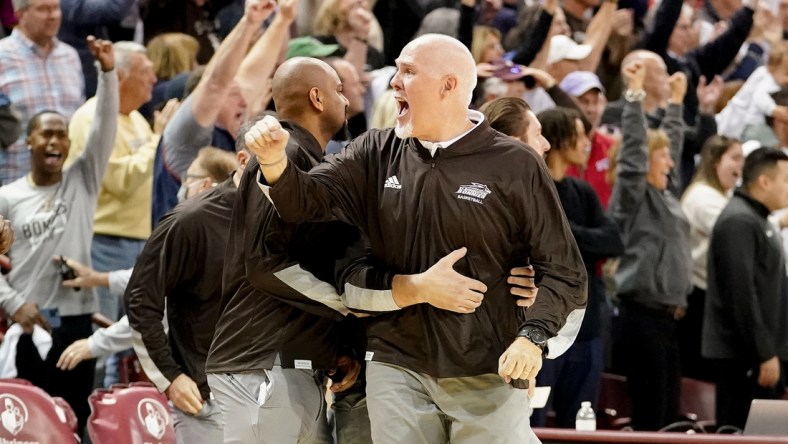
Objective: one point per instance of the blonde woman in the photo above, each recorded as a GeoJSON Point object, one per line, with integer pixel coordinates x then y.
{"type": "Point", "coordinates": [172, 53]}
{"type": "Point", "coordinates": [653, 276]}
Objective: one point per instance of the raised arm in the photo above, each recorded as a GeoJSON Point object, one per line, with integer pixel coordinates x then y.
{"type": "Point", "coordinates": [356, 41]}
{"type": "Point", "coordinates": [597, 35]}
{"type": "Point", "coordinates": [262, 59]}
{"type": "Point", "coordinates": [632, 166]}
{"type": "Point", "coordinates": [217, 80]}
{"type": "Point", "coordinates": [191, 127]}
{"type": "Point", "coordinates": [534, 40]}
{"type": "Point", "coordinates": [714, 57]}
{"type": "Point", "coordinates": [673, 125]}
{"type": "Point", "coordinates": [339, 184]}
{"type": "Point", "coordinates": [658, 34]}
{"type": "Point", "coordinates": [98, 148]}
{"type": "Point", "coordinates": [465, 25]}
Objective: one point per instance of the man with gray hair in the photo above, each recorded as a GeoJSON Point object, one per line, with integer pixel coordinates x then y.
{"type": "Point", "coordinates": [37, 72]}
{"type": "Point", "coordinates": [443, 182]}
{"type": "Point", "coordinates": [123, 214]}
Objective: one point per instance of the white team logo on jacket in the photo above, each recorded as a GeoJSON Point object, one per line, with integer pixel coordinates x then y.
{"type": "Point", "coordinates": [392, 182]}
{"type": "Point", "coordinates": [153, 416]}
{"type": "Point", "coordinates": [475, 192]}
{"type": "Point", "coordinates": [14, 415]}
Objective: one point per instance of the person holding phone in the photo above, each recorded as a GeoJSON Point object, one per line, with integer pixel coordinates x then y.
{"type": "Point", "coordinates": [52, 212]}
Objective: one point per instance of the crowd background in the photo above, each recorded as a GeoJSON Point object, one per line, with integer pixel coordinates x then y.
{"type": "Point", "coordinates": [644, 110]}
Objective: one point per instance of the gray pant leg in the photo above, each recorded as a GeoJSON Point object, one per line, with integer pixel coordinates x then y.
{"type": "Point", "coordinates": [351, 416]}
{"type": "Point", "coordinates": [203, 428]}
{"type": "Point", "coordinates": [410, 407]}
{"type": "Point", "coordinates": [484, 410]}
{"type": "Point", "coordinates": [400, 408]}
{"type": "Point", "coordinates": [294, 410]}
{"type": "Point", "coordinates": [279, 406]}
{"type": "Point", "coordinates": [237, 399]}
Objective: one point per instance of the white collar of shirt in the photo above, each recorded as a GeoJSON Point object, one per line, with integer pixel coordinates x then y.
{"type": "Point", "coordinates": [475, 117]}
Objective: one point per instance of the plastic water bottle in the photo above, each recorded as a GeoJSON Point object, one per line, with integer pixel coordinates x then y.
{"type": "Point", "coordinates": [586, 419]}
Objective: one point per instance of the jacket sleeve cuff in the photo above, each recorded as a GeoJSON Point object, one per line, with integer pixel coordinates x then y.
{"type": "Point", "coordinates": [13, 304]}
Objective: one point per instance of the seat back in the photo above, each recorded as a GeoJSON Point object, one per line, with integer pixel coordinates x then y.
{"type": "Point", "coordinates": [29, 414]}
{"type": "Point", "coordinates": [615, 405]}
{"type": "Point", "coordinates": [130, 370]}
{"type": "Point", "coordinates": [135, 413]}
{"type": "Point", "coordinates": [697, 400]}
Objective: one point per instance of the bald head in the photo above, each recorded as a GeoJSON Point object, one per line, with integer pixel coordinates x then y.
{"type": "Point", "coordinates": [646, 57]}
{"type": "Point", "coordinates": [656, 83]}
{"type": "Point", "coordinates": [294, 80]}
{"type": "Point", "coordinates": [445, 55]}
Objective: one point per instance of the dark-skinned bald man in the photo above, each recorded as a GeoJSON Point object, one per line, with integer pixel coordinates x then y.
{"type": "Point", "coordinates": [271, 342]}
{"type": "Point", "coordinates": [280, 303]}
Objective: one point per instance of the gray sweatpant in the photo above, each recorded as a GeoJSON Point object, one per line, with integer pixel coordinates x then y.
{"type": "Point", "coordinates": [277, 406]}
{"type": "Point", "coordinates": [410, 407]}
{"type": "Point", "coordinates": [203, 428]}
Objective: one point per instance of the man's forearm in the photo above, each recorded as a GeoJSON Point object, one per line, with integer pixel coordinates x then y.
{"type": "Point", "coordinates": [405, 290]}
{"type": "Point", "coordinates": [259, 64]}
{"type": "Point", "coordinates": [228, 57]}
{"type": "Point", "coordinates": [218, 76]}
{"type": "Point", "coordinates": [273, 171]}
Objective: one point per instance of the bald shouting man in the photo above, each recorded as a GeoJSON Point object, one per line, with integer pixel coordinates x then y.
{"type": "Point", "coordinates": [441, 181]}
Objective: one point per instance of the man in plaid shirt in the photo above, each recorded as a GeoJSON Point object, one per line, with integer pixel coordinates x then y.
{"type": "Point", "coordinates": [38, 73]}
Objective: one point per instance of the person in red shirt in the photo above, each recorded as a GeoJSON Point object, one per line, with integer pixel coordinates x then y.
{"type": "Point", "coordinates": [589, 94]}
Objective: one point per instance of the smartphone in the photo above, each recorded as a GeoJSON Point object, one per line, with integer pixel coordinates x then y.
{"type": "Point", "coordinates": [66, 272]}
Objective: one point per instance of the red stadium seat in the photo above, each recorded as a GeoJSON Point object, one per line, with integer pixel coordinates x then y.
{"type": "Point", "coordinates": [29, 414]}
{"type": "Point", "coordinates": [615, 406]}
{"type": "Point", "coordinates": [697, 400]}
{"type": "Point", "coordinates": [130, 414]}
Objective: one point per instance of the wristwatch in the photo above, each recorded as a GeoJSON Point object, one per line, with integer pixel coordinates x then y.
{"type": "Point", "coordinates": [631, 95]}
{"type": "Point", "coordinates": [535, 334]}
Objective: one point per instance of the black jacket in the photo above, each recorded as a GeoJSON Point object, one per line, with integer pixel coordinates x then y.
{"type": "Point", "coordinates": [275, 275]}
{"type": "Point", "coordinates": [597, 237]}
{"type": "Point", "coordinates": [485, 192]}
{"type": "Point", "coordinates": [746, 314]}
{"type": "Point", "coordinates": [180, 264]}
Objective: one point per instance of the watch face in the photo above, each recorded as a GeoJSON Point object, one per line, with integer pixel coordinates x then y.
{"type": "Point", "coordinates": [537, 336]}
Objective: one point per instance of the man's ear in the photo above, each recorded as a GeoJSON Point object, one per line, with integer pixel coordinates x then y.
{"type": "Point", "coordinates": [243, 157]}
{"type": "Point", "coordinates": [764, 181]}
{"type": "Point", "coordinates": [316, 99]}
{"type": "Point", "coordinates": [205, 184]}
{"type": "Point", "coordinates": [449, 85]}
